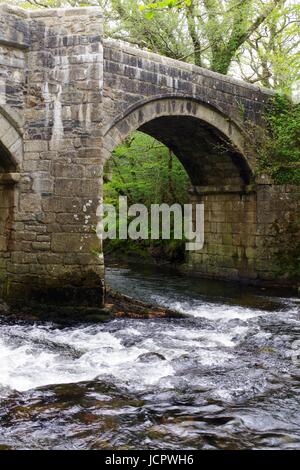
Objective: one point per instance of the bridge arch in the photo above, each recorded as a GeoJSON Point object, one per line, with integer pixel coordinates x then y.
{"type": "Point", "coordinates": [211, 148]}
{"type": "Point", "coordinates": [200, 135]}
{"type": "Point", "coordinates": [11, 154]}
{"type": "Point", "coordinates": [11, 143]}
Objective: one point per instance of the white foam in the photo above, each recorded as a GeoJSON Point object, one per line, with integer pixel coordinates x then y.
{"type": "Point", "coordinates": [33, 356]}
{"type": "Point", "coordinates": [32, 365]}
{"type": "Point", "coordinates": [214, 311]}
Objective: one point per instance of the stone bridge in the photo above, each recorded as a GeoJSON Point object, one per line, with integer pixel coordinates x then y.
{"type": "Point", "coordinates": [68, 97]}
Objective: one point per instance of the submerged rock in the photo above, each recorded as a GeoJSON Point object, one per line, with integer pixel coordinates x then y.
{"type": "Point", "coordinates": [151, 356]}
{"type": "Point", "coordinates": [122, 305]}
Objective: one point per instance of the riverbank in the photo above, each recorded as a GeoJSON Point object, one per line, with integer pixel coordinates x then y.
{"type": "Point", "coordinates": [117, 305]}
{"type": "Point", "coordinates": [136, 306]}
{"type": "Point", "coordinates": [182, 268]}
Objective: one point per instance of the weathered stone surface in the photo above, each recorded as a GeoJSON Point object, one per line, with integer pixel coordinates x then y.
{"type": "Point", "coordinates": [68, 97]}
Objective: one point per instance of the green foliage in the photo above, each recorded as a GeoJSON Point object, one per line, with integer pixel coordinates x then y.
{"type": "Point", "coordinates": [271, 54]}
{"type": "Point", "coordinates": [218, 30]}
{"type": "Point", "coordinates": [280, 146]}
{"type": "Point", "coordinates": [146, 172]}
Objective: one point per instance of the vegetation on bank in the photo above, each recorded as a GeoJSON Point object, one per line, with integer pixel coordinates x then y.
{"type": "Point", "coordinates": [146, 172]}
{"type": "Point", "coordinates": [279, 144]}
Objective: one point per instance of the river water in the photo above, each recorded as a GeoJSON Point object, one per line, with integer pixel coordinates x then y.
{"type": "Point", "coordinates": [224, 377]}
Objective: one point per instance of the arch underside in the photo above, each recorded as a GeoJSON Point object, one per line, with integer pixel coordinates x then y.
{"type": "Point", "coordinates": [11, 143]}
{"type": "Point", "coordinates": [209, 145]}
{"type": "Point", "coordinates": [11, 153]}
{"type": "Point", "coordinates": [204, 152]}
{"type": "Point", "coordinates": [7, 163]}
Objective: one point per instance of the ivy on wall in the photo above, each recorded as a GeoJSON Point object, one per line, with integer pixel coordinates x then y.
{"type": "Point", "coordinates": [279, 146]}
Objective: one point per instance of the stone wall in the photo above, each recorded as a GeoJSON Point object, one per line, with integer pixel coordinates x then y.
{"type": "Point", "coordinates": [277, 255]}
{"type": "Point", "coordinates": [7, 204]}
{"type": "Point", "coordinates": [52, 240]}
{"type": "Point", "coordinates": [252, 234]}
{"type": "Point", "coordinates": [141, 74]}
{"type": "Point", "coordinates": [14, 41]}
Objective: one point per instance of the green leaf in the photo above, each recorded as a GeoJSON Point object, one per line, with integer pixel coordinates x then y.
{"type": "Point", "coordinates": [149, 15]}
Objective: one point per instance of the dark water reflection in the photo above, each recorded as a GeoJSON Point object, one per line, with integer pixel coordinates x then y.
{"type": "Point", "coordinates": [225, 377]}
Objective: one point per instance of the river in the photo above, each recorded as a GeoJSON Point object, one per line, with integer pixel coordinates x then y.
{"type": "Point", "coordinates": [224, 377]}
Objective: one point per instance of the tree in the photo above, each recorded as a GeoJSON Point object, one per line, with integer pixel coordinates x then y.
{"type": "Point", "coordinates": [163, 33]}
{"type": "Point", "coordinates": [147, 172]}
{"type": "Point", "coordinates": [271, 55]}
{"type": "Point", "coordinates": [220, 28]}
{"type": "Point", "coordinates": [255, 39]}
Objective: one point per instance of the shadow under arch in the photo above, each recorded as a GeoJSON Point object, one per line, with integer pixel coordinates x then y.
{"type": "Point", "coordinates": [11, 156]}
{"type": "Point", "coordinates": [210, 146]}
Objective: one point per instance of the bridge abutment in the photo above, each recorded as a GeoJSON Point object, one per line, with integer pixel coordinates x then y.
{"type": "Point", "coordinates": [251, 233]}
{"type": "Point", "coordinates": [53, 248]}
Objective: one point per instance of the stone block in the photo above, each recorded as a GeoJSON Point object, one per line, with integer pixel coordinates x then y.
{"type": "Point", "coordinates": [30, 203]}
{"type": "Point", "coordinates": [41, 246]}
{"type": "Point", "coordinates": [35, 146]}
{"type": "Point", "coordinates": [64, 170]}
{"type": "Point", "coordinates": [3, 243]}
{"type": "Point", "coordinates": [73, 242]}
{"type": "Point", "coordinates": [65, 204]}
{"type": "Point", "coordinates": [23, 258]}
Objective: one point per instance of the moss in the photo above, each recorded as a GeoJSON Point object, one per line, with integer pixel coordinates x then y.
{"type": "Point", "coordinates": [286, 175]}
{"type": "Point", "coordinates": [287, 255]}
{"type": "Point", "coordinates": [279, 142]}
